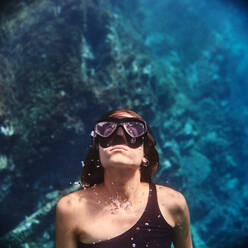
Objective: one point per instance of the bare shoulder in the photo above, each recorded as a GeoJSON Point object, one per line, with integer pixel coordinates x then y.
{"type": "Point", "coordinates": [71, 202]}
{"type": "Point", "coordinates": [170, 195]}
{"type": "Point", "coordinates": [173, 201]}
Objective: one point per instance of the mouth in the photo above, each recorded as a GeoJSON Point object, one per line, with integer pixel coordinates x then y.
{"type": "Point", "coordinates": [118, 148]}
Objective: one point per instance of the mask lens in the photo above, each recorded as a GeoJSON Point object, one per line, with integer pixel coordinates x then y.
{"type": "Point", "coordinates": [134, 129]}
{"type": "Point", "coordinates": [133, 135]}
{"type": "Point", "coordinates": [105, 128]}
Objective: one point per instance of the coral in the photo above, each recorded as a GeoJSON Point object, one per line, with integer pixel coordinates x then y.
{"type": "Point", "coordinates": [63, 63]}
{"type": "Point", "coordinates": [3, 162]}
{"type": "Point", "coordinates": [24, 230]}
{"type": "Point", "coordinates": [7, 95]}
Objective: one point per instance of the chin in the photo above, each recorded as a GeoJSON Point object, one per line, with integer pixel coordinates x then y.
{"type": "Point", "coordinates": [122, 164]}
{"type": "Point", "coordinates": [120, 160]}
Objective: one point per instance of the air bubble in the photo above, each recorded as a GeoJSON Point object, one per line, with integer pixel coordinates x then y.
{"type": "Point", "coordinates": [75, 183]}
{"type": "Point", "coordinates": [159, 216]}
{"type": "Point", "coordinates": [149, 229]}
{"type": "Point", "coordinates": [86, 185]}
{"type": "Point", "coordinates": [133, 245]}
{"type": "Point", "coordinates": [138, 228]}
{"type": "Point", "coordinates": [125, 204]}
{"type": "Point", "coordinates": [147, 224]}
{"type": "Point", "coordinates": [82, 164]}
{"type": "Point", "coordinates": [145, 164]}
{"type": "Point", "coordinates": [131, 238]}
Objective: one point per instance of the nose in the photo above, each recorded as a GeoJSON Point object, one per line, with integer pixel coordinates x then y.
{"type": "Point", "coordinates": [119, 137]}
{"type": "Point", "coordinates": [120, 131]}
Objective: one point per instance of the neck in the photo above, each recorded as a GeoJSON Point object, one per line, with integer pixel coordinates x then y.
{"type": "Point", "coordinates": [122, 185]}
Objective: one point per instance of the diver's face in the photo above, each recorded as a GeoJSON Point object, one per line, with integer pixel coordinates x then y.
{"type": "Point", "coordinates": [119, 154]}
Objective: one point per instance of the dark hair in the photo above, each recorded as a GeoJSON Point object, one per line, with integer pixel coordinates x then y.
{"type": "Point", "coordinates": [93, 172]}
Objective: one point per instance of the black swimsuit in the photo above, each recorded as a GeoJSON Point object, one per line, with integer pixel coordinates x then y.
{"type": "Point", "coordinates": [150, 231]}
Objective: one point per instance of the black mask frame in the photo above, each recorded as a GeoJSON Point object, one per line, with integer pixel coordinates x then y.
{"type": "Point", "coordinates": [124, 137]}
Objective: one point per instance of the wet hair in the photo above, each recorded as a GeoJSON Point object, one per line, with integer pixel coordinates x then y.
{"type": "Point", "coordinates": [93, 172]}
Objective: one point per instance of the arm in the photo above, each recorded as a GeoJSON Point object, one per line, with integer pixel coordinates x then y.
{"type": "Point", "coordinates": [65, 235]}
{"type": "Point", "coordinates": [181, 234]}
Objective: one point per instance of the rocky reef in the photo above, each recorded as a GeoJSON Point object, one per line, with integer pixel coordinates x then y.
{"type": "Point", "coordinates": [63, 63]}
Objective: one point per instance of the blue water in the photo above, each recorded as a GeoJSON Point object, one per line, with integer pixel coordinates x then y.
{"type": "Point", "coordinates": [181, 64]}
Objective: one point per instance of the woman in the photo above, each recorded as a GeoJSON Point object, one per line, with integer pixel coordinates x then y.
{"type": "Point", "coordinates": [119, 207]}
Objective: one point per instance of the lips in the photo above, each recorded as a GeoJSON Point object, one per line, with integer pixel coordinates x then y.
{"type": "Point", "coordinates": [118, 148]}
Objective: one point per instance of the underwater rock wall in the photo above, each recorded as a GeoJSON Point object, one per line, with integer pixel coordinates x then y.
{"type": "Point", "coordinates": [68, 65]}
{"type": "Point", "coordinates": [63, 63]}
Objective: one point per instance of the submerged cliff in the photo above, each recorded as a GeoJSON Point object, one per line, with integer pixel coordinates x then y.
{"type": "Point", "coordinates": [63, 63]}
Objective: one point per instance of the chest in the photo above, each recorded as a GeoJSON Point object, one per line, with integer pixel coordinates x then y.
{"type": "Point", "coordinates": [107, 225]}
{"type": "Point", "coordinates": [127, 231]}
